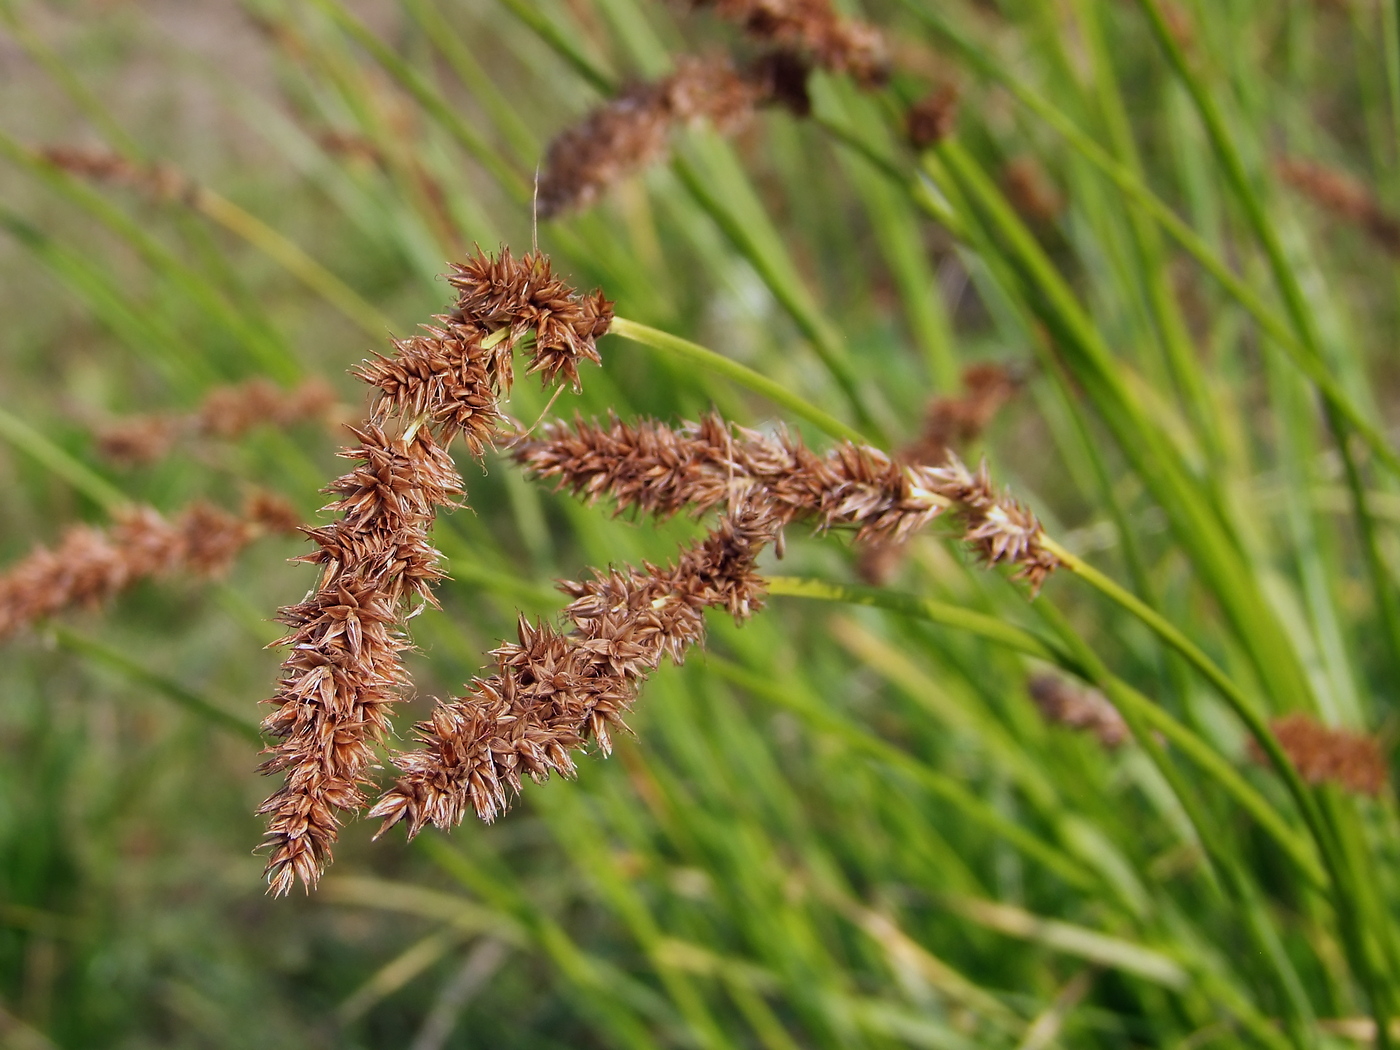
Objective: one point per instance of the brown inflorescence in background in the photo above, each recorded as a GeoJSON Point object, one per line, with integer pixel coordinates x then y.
{"type": "Point", "coordinates": [344, 667]}
{"type": "Point", "coordinates": [227, 413]}
{"type": "Point", "coordinates": [90, 566]}
{"type": "Point", "coordinates": [99, 164]}
{"type": "Point", "coordinates": [950, 425]}
{"type": "Point", "coordinates": [1345, 197]}
{"type": "Point", "coordinates": [814, 29]}
{"type": "Point", "coordinates": [553, 692]}
{"type": "Point", "coordinates": [633, 130]}
{"type": "Point", "coordinates": [1352, 761]}
{"type": "Point", "coordinates": [932, 119]}
{"type": "Point", "coordinates": [1087, 710]}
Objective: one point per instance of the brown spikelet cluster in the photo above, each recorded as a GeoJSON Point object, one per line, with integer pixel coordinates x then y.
{"type": "Point", "coordinates": [1087, 710]}
{"type": "Point", "coordinates": [552, 693]}
{"type": "Point", "coordinates": [932, 119]}
{"type": "Point", "coordinates": [950, 424]}
{"type": "Point", "coordinates": [707, 464]}
{"type": "Point", "coordinates": [103, 165]}
{"type": "Point", "coordinates": [997, 527]}
{"type": "Point", "coordinates": [632, 131]}
{"type": "Point", "coordinates": [90, 565]}
{"type": "Point", "coordinates": [1345, 198]}
{"type": "Point", "coordinates": [344, 669]}
{"type": "Point", "coordinates": [227, 413]}
{"type": "Point", "coordinates": [1354, 762]}
{"type": "Point", "coordinates": [815, 30]}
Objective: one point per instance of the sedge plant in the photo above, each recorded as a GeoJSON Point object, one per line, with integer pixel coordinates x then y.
{"type": "Point", "coordinates": [1009, 380]}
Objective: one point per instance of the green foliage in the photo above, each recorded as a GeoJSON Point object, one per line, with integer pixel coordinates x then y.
{"type": "Point", "coordinates": [844, 824]}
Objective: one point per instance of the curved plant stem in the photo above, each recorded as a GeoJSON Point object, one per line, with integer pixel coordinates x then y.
{"type": "Point", "coordinates": [1021, 640]}
{"type": "Point", "coordinates": [741, 374]}
{"type": "Point", "coordinates": [78, 474]}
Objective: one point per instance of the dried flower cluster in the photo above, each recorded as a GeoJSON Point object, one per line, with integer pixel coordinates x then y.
{"type": "Point", "coordinates": [1353, 761]}
{"type": "Point", "coordinates": [344, 669]}
{"type": "Point", "coordinates": [91, 566]}
{"type": "Point", "coordinates": [950, 424]}
{"type": "Point", "coordinates": [228, 412]}
{"type": "Point", "coordinates": [814, 29]}
{"type": "Point", "coordinates": [710, 463]}
{"type": "Point", "coordinates": [1345, 198]}
{"type": "Point", "coordinates": [932, 119]}
{"type": "Point", "coordinates": [103, 165]}
{"type": "Point", "coordinates": [1088, 710]}
{"type": "Point", "coordinates": [554, 692]}
{"type": "Point", "coordinates": [633, 130]}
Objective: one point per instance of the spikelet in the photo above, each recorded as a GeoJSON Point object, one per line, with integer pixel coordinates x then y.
{"type": "Point", "coordinates": [950, 424]}
{"type": "Point", "coordinates": [1345, 198]}
{"type": "Point", "coordinates": [227, 413]}
{"type": "Point", "coordinates": [1087, 710]}
{"type": "Point", "coordinates": [96, 164]}
{"type": "Point", "coordinates": [1352, 761]}
{"type": "Point", "coordinates": [708, 464]}
{"type": "Point", "coordinates": [633, 130]}
{"type": "Point", "coordinates": [553, 692]}
{"type": "Point", "coordinates": [90, 566]}
{"type": "Point", "coordinates": [814, 29]}
{"type": "Point", "coordinates": [1029, 189]}
{"type": "Point", "coordinates": [344, 669]}
{"type": "Point", "coordinates": [932, 119]}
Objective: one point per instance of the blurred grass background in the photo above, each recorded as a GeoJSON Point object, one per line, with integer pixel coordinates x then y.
{"type": "Point", "coordinates": [839, 826]}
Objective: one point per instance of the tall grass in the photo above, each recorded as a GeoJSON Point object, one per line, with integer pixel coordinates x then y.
{"type": "Point", "coordinates": [847, 822]}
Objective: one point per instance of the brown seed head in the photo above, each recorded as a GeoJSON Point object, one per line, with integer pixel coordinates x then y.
{"type": "Point", "coordinates": [1354, 762]}
{"type": "Point", "coordinates": [1345, 197]}
{"type": "Point", "coordinates": [1083, 709]}
{"type": "Point", "coordinates": [553, 692]}
{"type": "Point", "coordinates": [812, 27]}
{"type": "Point", "coordinates": [91, 566]}
{"type": "Point", "coordinates": [932, 118]}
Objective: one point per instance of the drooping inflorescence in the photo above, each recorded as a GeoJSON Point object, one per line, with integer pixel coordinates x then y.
{"type": "Point", "coordinates": [814, 29]}
{"type": "Point", "coordinates": [553, 690]}
{"type": "Point", "coordinates": [1355, 762]}
{"type": "Point", "coordinates": [702, 465]}
{"type": "Point", "coordinates": [90, 566]}
{"type": "Point", "coordinates": [226, 413]}
{"type": "Point", "coordinates": [633, 130]}
{"type": "Point", "coordinates": [344, 670]}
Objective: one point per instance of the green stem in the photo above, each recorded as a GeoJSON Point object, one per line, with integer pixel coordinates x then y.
{"type": "Point", "coordinates": [1124, 179]}
{"type": "Point", "coordinates": [1323, 837]}
{"type": "Point", "coordinates": [1018, 639]}
{"type": "Point", "coordinates": [167, 687]}
{"type": "Point", "coordinates": [741, 374]}
{"type": "Point", "coordinates": [78, 474]}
